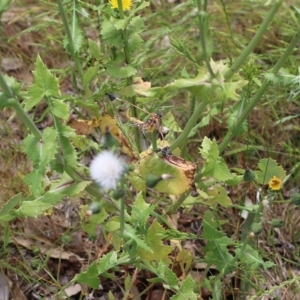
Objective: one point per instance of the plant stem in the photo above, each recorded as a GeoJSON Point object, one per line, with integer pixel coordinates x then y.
{"type": "Point", "coordinates": [133, 111]}
{"type": "Point", "coordinates": [120, 7]}
{"type": "Point", "coordinates": [263, 27]}
{"type": "Point", "coordinates": [132, 100]}
{"type": "Point", "coordinates": [257, 97]}
{"type": "Point", "coordinates": [72, 47]}
{"type": "Point", "coordinates": [19, 109]}
{"type": "Point", "coordinates": [27, 120]}
{"type": "Point", "coordinates": [202, 23]}
{"type": "Point", "coordinates": [189, 125]}
{"type": "Point", "coordinates": [176, 205]}
{"type": "Point", "coordinates": [185, 142]}
{"type": "Point", "coordinates": [122, 215]}
{"type": "Point", "coordinates": [154, 141]}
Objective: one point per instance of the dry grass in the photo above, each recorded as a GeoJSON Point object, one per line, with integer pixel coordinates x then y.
{"type": "Point", "coordinates": [13, 163]}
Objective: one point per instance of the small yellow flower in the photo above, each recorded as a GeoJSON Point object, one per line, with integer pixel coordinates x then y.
{"type": "Point", "coordinates": [275, 183]}
{"type": "Point", "coordinates": [127, 4]}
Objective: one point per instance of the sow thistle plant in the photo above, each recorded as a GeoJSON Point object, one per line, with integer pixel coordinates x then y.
{"type": "Point", "coordinates": [158, 170]}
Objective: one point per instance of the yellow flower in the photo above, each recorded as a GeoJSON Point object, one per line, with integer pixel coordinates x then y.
{"type": "Point", "coordinates": [126, 4]}
{"type": "Point", "coordinates": [275, 183]}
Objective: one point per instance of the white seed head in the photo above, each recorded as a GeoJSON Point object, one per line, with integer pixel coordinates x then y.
{"type": "Point", "coordinates": [107, 169]}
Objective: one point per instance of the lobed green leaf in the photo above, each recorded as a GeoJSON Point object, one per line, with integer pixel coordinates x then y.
{"type": "Point", "coordinates": [268, 168]}
{"type": "Point", "coordinates": [89, 277]}
{"type": "Point", "coordinates": [116, 71]}
{"type": "Point", "coordinates": [186, 290]}
{"type": "Point", "coordinates": [36, 207]}
{"type": "Point", "coordinates": [159, 251]}
{"type": "Point", "coordinates": [60, 109]}
{"type": "Point", "coordinates": [214, 164]}
{"type": "Point", "coordinates": [111, 35]}
{"type": "Point", "coordinates": [45, 84]}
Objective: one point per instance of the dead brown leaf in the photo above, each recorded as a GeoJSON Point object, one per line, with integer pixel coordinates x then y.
{"type": "Point", "coordinates": [4, 288]}
{"type": "Point", "coordinates": [73, 290]}
{"type": "Point", "coordinates": [54, 252]}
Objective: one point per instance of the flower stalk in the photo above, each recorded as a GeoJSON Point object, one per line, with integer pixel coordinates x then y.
{"type": "Point", "coordinates": [19, 109]}
{"type": "Point", "coordinates": [154, 141]}
{"type": "Point", "coordinates": [122, 215]}
{"type": "Point", "coordinates": [202, 23]}
{"type": "Point", "coordinates": [71, 46]}
{"type": "Point", "coordinates": [121, 11]}
{"type": "Point", "coordinates": [132, 100]}
{"type": "Point", "coordinates": [257, 37]}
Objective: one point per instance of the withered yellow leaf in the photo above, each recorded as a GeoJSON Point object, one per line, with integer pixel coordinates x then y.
{"type": "Point", "coordinates": [83, 127]}
{"type": "Point", "coordinates": [185, 259]}
{"type": "Point", "coordinates": [142, 86]}
{"type": "Point", "coordinates": [133, 119]}
{"type": "Point", "coordinates": [185, 167]}
{"type": "Point", "coordinates": [139, 84]}
{"type": "Point", "coordinates": [182, 171]}
{"type": "Point", "coordinates": [178, 184]}
{"type": "Point", "coordinates": [108, 123]}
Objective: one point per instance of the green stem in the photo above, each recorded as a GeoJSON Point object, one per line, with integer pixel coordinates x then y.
{"type": "Point", "coordinates": [154, 141]}
{"type": "Point", "coordinates": [121, 11]}
{"type": "Point", "coordinates": [173, 208]}
{"type": "Point", "coordinates": [26, 120]}
{"type": "Point", "coordinates": [263, 27]}
{"type": "Point", "coordinates": [132, 100]}
{"type": "Point", "coordinates": [19, 109]}
{"type": "Point", "coordinates": [185, 142]}
{"type": "Point", "coordinates": [72, 47]}
{"type": "Point", "coordinates": [253, 217]}
{"type": "Point", "coordinates": [202, 23]}
{"type": "Point", "coordinates": [189, 126]}
{"type": "Point", "coordinates": [257, 97]}
{"type": "Point", "coordinates": [134, 112]}
{"type": "Point", "coordinates": [5, 88]}
{"type": "Point", "coordinates": [122, 216]}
